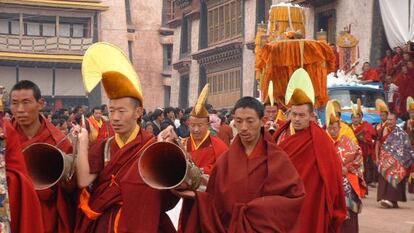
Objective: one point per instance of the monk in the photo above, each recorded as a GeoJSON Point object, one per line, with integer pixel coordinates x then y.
{"type": "Point", "coordinates": [344, 127]}
{"type": "Point", "coordinates": [253, 187]}
{"type": "Point", "coordinates": [114, 198]}
{"type": "Point", "coordinates": [397, 59]}
{"type": "Point", "coordinates": [352, 170]}
{"type": "Point", "coordinates": [203, 147]}
{"type": "Point", "coordinates": [324, 208]}
{"type": "Point", "coordinates": [98, 127]}
{"type": "Point", "coordinates": [25, 210]}
{"type": "Point", "coordinates": [366, 134]}
{"type": "Point", "coordinates": [394, 161]}
{"type": "Point", "coordinates": [369, 74]}
{"type": "Point", "coordinates": [58, 202]}
{"type": "Point", "coordinates": [387, 63]}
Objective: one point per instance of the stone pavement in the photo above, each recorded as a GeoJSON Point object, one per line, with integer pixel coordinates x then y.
{"type": "Point", "coordinates": [375, 219]}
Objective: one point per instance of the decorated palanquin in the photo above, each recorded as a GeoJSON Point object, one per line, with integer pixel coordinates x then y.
{"type": "Point", "coordinates": [278, 60]}
{"type": "Point", "coordinates": [281, 51]}
{"type": "Point", "coordinates": [285, 18]}
{"type": "Point", "coordinates": [347, 46]}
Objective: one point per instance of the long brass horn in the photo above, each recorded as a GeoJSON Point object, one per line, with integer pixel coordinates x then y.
{"type": "Point", "coordinates": [165, 165]}
{"type": "Point", "coordinates": [47, 165]}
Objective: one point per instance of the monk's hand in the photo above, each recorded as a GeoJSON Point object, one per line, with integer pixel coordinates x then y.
{"type": "Point", "coordinates": [82, 136]}
{"type": "Point", "coordinates": [344, 170]}
{"type": "Point", "coordinates": [187, 194]}
{"type": "Point", "coordinates": [167, 135]}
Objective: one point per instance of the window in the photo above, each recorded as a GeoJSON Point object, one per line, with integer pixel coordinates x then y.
{"type": "Point", "coordinates": [167, 11]}
{"type": "Point", "coordinates": [183, 92]}
{"type": "Point", "coordinates": [9, 24]}
{"type": "Point", "coordinates": [224, 21]}
{"type": "Point", "coordinates": [225, 87]}
{"type": "Point", "coordinates": [128, 12]}
{"type": "Point", "coordinates": [263, 8]}
{"type": "Point", "coordinates": [130, 49]}
{"type": "Point", "coordinates": [49, 29]}
{"type": "Point", "coordinates": [64, 30]}
{"type": "Point", "coordinates": [167, 56]}
{"type": "Point", "coordinates": [77, 30]}
{"type": "Point", "coordinates": [74, 27]}
{"type": "Point", "coordinates": [185, 36]}
{"type": "Point", "coordinates": [32, 29]}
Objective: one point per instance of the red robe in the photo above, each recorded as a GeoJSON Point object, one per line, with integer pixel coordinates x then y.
{"type": "Point", "coordinates": [372, 75]}
{"type": "Point", "coordinates": [57, 204]}
{"type": "Point", "coordinates": [98, 133]}
{"type": "Point", "coordinates": [257, 193]}
{"type": "Point", "coordinates": [120, 197]}
{"type": "Point", "coordinates": [365, 134]}
{"type": "Point", "coordinates": [314, 156]}
{"type": "Point", "coordinates": [207, 154]}
{"type": "Point", "coordinates": [25, 208]}
{"type": "Point", "coordinates": [387, 64]}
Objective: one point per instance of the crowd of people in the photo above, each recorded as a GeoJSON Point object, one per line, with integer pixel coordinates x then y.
{"type": "Point", "coordinates": [396, 71]}
{"type": "Point", "coordinates": [264, 168]}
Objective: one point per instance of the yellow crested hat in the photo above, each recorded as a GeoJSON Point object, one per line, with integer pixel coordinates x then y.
{"type": "Point", "coordinates": [280, 116]}
{"type": "Point", "coordinates": [270, 99]}
{"type": "Point", "coordinates": [410, 103]}
{"type": "Point", "coordinates": [108, 63]}
{"type": "Point", "coordinates": [300, 90]}
{"type": "Point", "coordinates": [330, 113]}
{"type": "Point", "coordinates": [199, 109]}
{"type": "Point", "coordinates": [381, 106]}
{"type": "Point", "coordinates": [337, 105]}
{"type": "Point", "coordinates": [357, 109]}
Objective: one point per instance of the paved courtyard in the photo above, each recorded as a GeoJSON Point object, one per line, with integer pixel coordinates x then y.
{"type": "Point", "coordinates": [375, 219]}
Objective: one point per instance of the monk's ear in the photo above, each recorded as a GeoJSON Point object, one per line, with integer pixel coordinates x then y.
{"type": "Point", "coordinates": [41, 103]}
{"type": "Point", "coordinates": [139, 111]}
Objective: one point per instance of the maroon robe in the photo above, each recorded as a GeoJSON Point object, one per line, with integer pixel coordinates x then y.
{"type": "Point", "coordinates": [314, 156]}
{"type": "Point", "coordinates": [207, 154]}
{"type": "Point", "coordinates": [371, 75]}
{"type": "Point", "coordinates": [58, 207]}
{"type": "Point", "coordinates": [25, 210]}
{"type": "Point", "coordinates": [119, 196]}
{"type": "Point", "coordinates": [257, 193]}
{"type": "Point", "coordinates": [365, 134]}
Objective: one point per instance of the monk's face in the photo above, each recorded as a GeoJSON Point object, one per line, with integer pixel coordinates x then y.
{"type": "Point", "coordinates": [356, 119]}
{"type": "Point", "coordinates": [248, 124]}
{"type": "Point", "coordinates": [383, 116]}
{"type": "Point", "coordinates": [24, 107]}
{"type": "Point", "coordinates": [198, 127]}
{"type": "Point", "coordinates": [97, 114]}
{"type": "Point", "coordinates": [270, 113]}
{"type": "Point", "coordinates": [300, 116]}
{"type": "Point", "coordinates": [123, 114]}
{"type": "Point", "coordinates": [333, 130]}
{"type": "Point", "coordinates": [391, 121]}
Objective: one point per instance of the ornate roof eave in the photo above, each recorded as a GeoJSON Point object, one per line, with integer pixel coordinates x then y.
{"type": "Point", "coordinates": [192, 15]}
{"type": "Point", "coordinates": [312, 3]}
{"type": "Point", "coordinates": [86, 5]}
{"type": "Point", "coordinates": [182, 65]}
{"type": "Point", "coordinates": [219, 53]}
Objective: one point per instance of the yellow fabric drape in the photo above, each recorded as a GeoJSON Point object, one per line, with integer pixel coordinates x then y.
{"type": "Point", "coordinates": [279, 19]}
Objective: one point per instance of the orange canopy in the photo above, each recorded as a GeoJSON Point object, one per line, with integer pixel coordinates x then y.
{"type": "Point", "coordinates": [277, 61]}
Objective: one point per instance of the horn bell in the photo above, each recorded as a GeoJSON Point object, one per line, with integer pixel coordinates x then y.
{"type": "Point", "coordinates": [165, 165]}
{"type": "Point", "coordinates": [46, 164]}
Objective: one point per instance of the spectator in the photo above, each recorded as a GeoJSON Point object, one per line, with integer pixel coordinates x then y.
{"type": "Point", "coordinates": [225, 132]}
{"type": "Point", "coordinates": [169, 118]}
{"type": "Point", "coordinates": [183, 131]}
{"type": "Point", "coordinates": [157, 119]}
